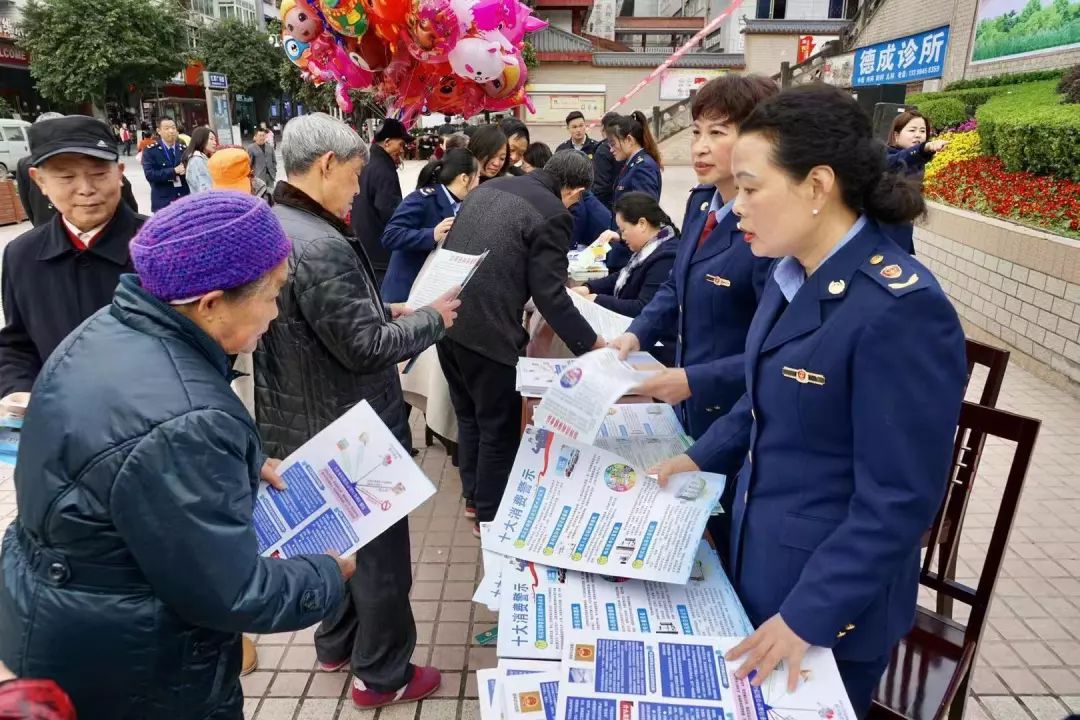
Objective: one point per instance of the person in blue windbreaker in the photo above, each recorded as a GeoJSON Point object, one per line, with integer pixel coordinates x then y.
{"type": "Point", "coordinates": [909, 151]}
{"type": "Point", "coordinates": [632, 143]}
{"type": "Point", "coordinates": [855, 369]}
{"type": "Point", "coordinates": [591, 220]}
{"type": "Point", "coordinates": [654, 240]}
{"type": "Point", "coordinates": [712, 292]}
{"type": "Point", "coordinates": [424, 218]}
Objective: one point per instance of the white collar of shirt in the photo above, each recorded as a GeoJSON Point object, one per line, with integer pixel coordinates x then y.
{"type": "Point", "coordinates": [454, 202]}
{"type": "Point", "coordinates": [84, 237]}
{"type": "Point", "coordinates": [789, 274]}
{"type": "Point", "coordinates": [719, 207]}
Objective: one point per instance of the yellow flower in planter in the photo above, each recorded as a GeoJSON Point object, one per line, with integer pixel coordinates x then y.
{"type": "Point", "coordinates": [962, 146]}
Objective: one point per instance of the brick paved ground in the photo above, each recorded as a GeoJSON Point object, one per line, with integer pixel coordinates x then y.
{"type": "Point", "coordinates": [1029, 667]}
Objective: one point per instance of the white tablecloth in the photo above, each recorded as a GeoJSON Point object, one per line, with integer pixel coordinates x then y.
{"type": "Point", "coordinates": [425, 388]}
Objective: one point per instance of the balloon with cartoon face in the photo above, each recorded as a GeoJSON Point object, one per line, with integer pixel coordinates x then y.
{"type": "Point", "coordinates": [297, 51]}
{"type": "Point", "coordinates": [299, 20]}
{"type": "Point", "coordinates": [345, 16]}
{"type": "Point", "coordinates": [477, 59]}
{"type": "Point", "coordinates": [431, 30]}
{"type": "Point", "coordinates": [511, 80]}
{"type": "Point", "coordinates": [456, 96]}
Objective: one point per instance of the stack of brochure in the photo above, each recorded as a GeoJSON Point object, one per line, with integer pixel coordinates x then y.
{"type": "Point", "coordinates": [610, 605]}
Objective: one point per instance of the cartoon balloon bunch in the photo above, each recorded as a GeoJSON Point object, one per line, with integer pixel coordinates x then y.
{"type": "Point", "coordinates": [419, 56]}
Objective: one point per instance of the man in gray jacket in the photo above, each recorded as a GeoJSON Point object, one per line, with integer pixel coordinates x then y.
{"type": "Point", "coordinates": [263, 160]}
{"type": "Point", "coordinates": [333, 345]}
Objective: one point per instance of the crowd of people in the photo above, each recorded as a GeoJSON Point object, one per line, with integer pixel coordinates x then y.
{"type": "Point", "coordinates": [810, 358]}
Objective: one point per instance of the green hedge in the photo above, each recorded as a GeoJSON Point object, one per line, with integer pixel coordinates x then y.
{"type": "Point", "coordinates": [972, 98]}
{"type": "Point", "coordinates": [943, 112]}
{"type": "Point", "coordinates": [1030, 129]}
{"type": "Point", "coordinates": [998, 80]}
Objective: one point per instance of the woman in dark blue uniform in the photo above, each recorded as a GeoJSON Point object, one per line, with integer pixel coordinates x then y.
{"type": "Point", "coordinates": [855, 372]}
{"type": "Point", "coordinates": [424, 218]}
{"type": "Point", "coordinates": [712, 292]}
{"type": "Point", "coordinates": [651, 235]}
{"type": "Point", "coordinates": [632, 143]}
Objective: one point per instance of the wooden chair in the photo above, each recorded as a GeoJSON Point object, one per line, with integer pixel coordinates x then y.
{"type": "Point", "coordinates": [929, 673]}
{"type": "Point", "coordinates": [995, 360]}
{"type": "Point", "coordinates": [967, 449]}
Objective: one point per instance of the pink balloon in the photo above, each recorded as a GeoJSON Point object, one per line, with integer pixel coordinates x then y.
{"type": "Point", "coordinates": [478, 59]}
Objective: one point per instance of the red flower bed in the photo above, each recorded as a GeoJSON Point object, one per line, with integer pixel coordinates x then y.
{"type": "Point", "coordinates": [983, 184]}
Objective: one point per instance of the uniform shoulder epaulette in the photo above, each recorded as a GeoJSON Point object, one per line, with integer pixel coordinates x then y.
{"type": "Point", "coordinates": [426, 191]}
{"type": "Point", "coordinates": [897, 274]}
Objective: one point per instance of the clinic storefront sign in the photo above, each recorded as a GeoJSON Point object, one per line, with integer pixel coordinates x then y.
{"type": "Point", "coordinates": [903, 60]}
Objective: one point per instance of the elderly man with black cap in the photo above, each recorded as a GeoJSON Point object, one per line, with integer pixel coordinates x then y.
{"type": "Point", "coordinates": [60, 273]}
{"type": "Point", "coordinates": [380, 193]}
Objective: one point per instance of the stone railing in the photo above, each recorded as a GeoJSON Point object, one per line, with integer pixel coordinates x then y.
{"type": "Point", "coordinates": [1012, 285]}
{"type": "Point", "coordinates": [672, 120]}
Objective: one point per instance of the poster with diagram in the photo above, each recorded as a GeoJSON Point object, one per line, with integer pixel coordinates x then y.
{"type": "Point", "coordinates": [616, 676]}
{"type": "Point", "coordinates": [541, 604]}
{"type": "Point", "coordinates": [346, 485]}
{"type": "Point", "coordinates": [574, 506]}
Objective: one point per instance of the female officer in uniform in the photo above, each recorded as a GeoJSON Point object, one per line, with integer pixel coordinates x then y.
{"type": "Point", "coordinates": [424, 218]}
{"type": "Point", "coordinates": [632, 143]}
{"type": "Point", "coordinates": [713, 289]}
{"type": "Point", "coordinates": [855, 371]}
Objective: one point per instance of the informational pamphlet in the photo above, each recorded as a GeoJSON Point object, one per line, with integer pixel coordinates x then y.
{"type": "Point", "coordinates": [578, 404]}
{"type": "Point", "coordinates": [490, 587]}
{"type": "Point", "coordinates": [534, 696]}
{"type": "Point", "coordinates": [346, 485]}
{"type": "Point", "coordinates": [446, 269]}
{"type": "Point", "coordinates": [637, 420]}
{"type": "Point", "coordinates": [616, 676]}
{"type": "Point", "coordinates": [577, 507]}
{"type": "Point", "coordinates": [10, 427]}
{"type": "Point", "coordinates": [645, 434]}
{"type": "Point", "coordinates": [536, 375]}
{"type": "Point", "coordinates": [540, 604]}
{"type": "Point", "coordinates": [605, 323]}
{"type": "Point", "coordinates": [489, 683]}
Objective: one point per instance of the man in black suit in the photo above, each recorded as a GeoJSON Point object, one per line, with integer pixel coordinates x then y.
{"type": "Point", "coordinates": [380, 193]}
{"type": "Point", "coordinates": [579, 135]}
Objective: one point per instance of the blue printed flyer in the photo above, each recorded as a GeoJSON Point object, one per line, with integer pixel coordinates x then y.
{"type": "Point", "coordinates": [618, 676]}
{"type": "Point", "coordinates": [574, 506]}
{"type": "Point", "coordinates": [535, 695]}
{"type": "Point", "coordinates": [540, 604]}
{"type": "Point", "coordinates": [346, 485]}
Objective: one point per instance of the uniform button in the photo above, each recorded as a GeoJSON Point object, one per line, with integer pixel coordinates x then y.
{"type": "Point", "coordinates": [849, 627]}
{"type": "Point", "coordinates": [746, 496]}
{"type": "Point", "coordinates": [841, 634]}
{"type": "Point", "coordinates": [58, 572]}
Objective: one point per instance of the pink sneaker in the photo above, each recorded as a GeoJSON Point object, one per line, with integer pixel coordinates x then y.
{"type": "Point", "coordinates": [333, 666]}
{"type": "Point", "coordinates": [425, 681]}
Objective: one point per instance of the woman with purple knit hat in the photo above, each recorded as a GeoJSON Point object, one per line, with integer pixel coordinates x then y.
{"type": "Point", "coordinates": [132, 567]}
